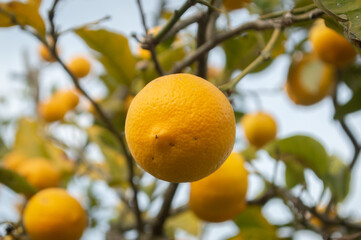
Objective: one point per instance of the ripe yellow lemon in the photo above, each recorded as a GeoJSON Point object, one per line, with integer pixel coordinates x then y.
{"type": "Point", "coordinates": [222, 195]}
{"type": "Point", "coordinates": [45, 54]}
{"type": "Point", "coordinates": [69, 97]}
{"type": "Point", "coordinates": [180, 128]}
{"type": "Point", "coordinates": [259, 128]}
{"type": "Point", "coordinates": [79, 66]}
{"type": "Point", "coordinates": [56, 106]}
{"type": "Point", "coordinates": [52, 110]}
{"type": "Point", "coordinates": [54, 214]}
{"type": "Point", "coordinates": [309, 80]}
{"type": "Point", "coordinates": [13, 160]}
{"type": "Point", "coordinates": [230, 5]}
{"type": "Point", "coordinates": [330, 46]}
{"type": "Point", "coordinates": [40, 173]}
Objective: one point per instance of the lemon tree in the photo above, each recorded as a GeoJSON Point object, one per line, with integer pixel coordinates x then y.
{"type": "Point", "coordinates": [160, 128]}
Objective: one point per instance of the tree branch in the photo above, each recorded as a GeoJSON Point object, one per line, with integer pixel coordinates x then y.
{"type": "Point", "coordinates": [51, 15]}
{"type": "Point", "coordinates": [348, 131]}
{"type": "Point", "coordinates": [201, 39]}
{"type": "Point", "coordinates": [157, 227]}
{"type": "Point", "coordinates": [101, 113]}
{"type": "Point", "coordinates": [280, 22]}
{"type": "Point", "coordinates": [265, 55]}
{"type": "Point", "coordinates": [206, 29]}
{"type": "Point", "coordinates": [181, 24]}
{"type": "Point", "coordinates": [349, 237]}
{"type": "Point", "coordinates": [151, 44]}
{"type": "Point", "coordinates": [172, 21]}
{"type": "Point", "coordinates": [293, 11]}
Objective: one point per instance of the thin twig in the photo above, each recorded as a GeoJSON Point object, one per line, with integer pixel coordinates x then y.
{"type": "Point", "coordinates": [265, 55]}
{"type": "Point", "coordinates": [181, 24]}
{"type": "Point", "coordinates": [115, 132]}
{"type": "Point", "coordinates": [172, 21]}
{"type": "Point", "coordinates": [206, 29]}
{"type": "Point", "coordinates": [280, 22]}
{"type": "Point", "coordinates": [348, 131]}
{"type": "Point", "coordinates": [51, 15]}
{"type": "Point", "coordinates": [162, 5]}
{"type": "Point", "coordinates": [164, 211]}
{"type": "Point", "coordinates": [151, 45]}
{"type": "Point", "coordinates": [201, 39]}
{"type": "Point", "coordinates": [349, 237]}
{"type": "Point", "coordinates": [293, 11]}
{"type": "Point", "coordinates": [142, 14]}
{"type": "Point", "coordinates": [178, 210]}
{"type": "Point", "coordinates": [210, 6]}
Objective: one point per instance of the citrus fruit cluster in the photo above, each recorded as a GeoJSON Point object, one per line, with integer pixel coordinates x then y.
{"type": "Point", "coordinates": [58, 104]}
{"type": "Point", "coordinates": [51, 213]}
{"type": "Point", "coordinates": [312, 76]}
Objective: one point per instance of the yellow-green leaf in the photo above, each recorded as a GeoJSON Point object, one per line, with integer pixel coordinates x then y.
{"type": "Point", "coordinates": [15, 182]}
{"type": "Point", "coordinates": [252, 217]}
{"type": "Point", "coordinates": [26, 14]}
{"type": "Point", "coordinates": [347, 13]}
{"type": "Point", "coordinates": [302, 149]}
{"type": "Point", "coordinates": [116, 165]}
{"type": "Point", "coordinates": [240, 51]}
{"type": "Point", "coordinates": [186, 221]}
{"type": "Point", "coordinates": [28, 141]}
{"type": "Point", "coordinates": [338, 178]}
{"type": "Point", "coordinates": [113, 52]}
{"type": "Point", "coordinates": [294, 174]}
{"type": "Point", "coordinates": [103, 137]}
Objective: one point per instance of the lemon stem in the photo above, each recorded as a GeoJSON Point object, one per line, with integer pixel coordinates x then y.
{"type": "Point", "coordinates": [264, 56]}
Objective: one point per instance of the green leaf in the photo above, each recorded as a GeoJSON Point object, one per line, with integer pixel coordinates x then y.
{"type": "Point", "coordinates": [351, 76]}
{"type": "Point", "coordinates": [302, 3]}
{"type": "Point", "coordinates": [253, 225]}
{"type": "Point", "coordinates": [238, 115]}
{"type": "Point", "coordinates": [302, 149]}
{"type": "Point", "coordinates": [249, 153]}
{"type": "Point", "coordinates": [294, 174]}
{"type": "Point", "coordinates": [242, 50]}
{"type": "Point", "coordinates": [252, 217]}
{"type": "Point", "coordinates": [28, 140]}
{"type": "Point", "coordinates": [26, 14]}
{"type": "Point", "coordinates": [186, 221]}
{"type": "Point", "coordinates": [113, 52]}
{"type": "Point", "coordinates": [15, 182]}
{"type": "Point", "coordinates": [116, 164]}
{"type": "Point", "coordinates": [347, 13]}
{"type": "Point", "coordinates": [149, 188]}
{"type": "Point", "coordinates": [255, 234]}
{"type": "Point", "coordinates": [353, 105]}
{"type": "Point", "coordinates": [117, 167]}
{"type": "Point", "coordinates": [338, 179]}
{"type": "Point", "coordinates": [103, 138]}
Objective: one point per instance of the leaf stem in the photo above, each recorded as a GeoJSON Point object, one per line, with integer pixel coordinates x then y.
{"type": "Point", "coordinates": [172, 21]}
{"type": "Point", "coordinates": [265, 55]}
{"type": "Point", "coordinates": [292, 11]}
